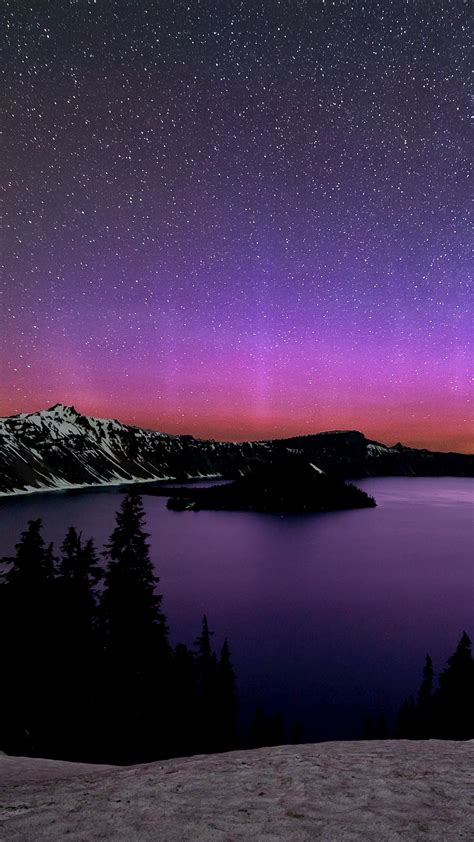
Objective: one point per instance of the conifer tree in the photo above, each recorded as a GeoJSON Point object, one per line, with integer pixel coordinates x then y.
{"type": "Point", "coordinates": [226, 700]}
{"type": "Point", "coordinates": [89, 566]}
{"type": "Point", "coordinates": [71, 548]}
{"type": "Point", "coordinates": [207, 703]}
{"type": "Point", "coordinates": [456, 694]}
{"type": "Point", "coordinates": [425, 706]}
{"type": "Point", "coordinates": [206, 663]}
{"type": "Point", "coordinates": [77, 648]}
{"type": "Point", "coordinates": [203, 643]}
{"type": "Point", "coordinates": [426, 687]}
{"type": "Point", "coordinates": [78, 574]}
{"type": "Point", "coordinates": [130, 603]}
{"type": "Point", "coordinates": [33, 564]}
{"type": "Point", "coordinates": [29, 623]}
{"type": "Point", "coordinates": [135, 638]}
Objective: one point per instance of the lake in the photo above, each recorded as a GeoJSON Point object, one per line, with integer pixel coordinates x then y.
{"type": "Point", "coordinates": [329, 616]}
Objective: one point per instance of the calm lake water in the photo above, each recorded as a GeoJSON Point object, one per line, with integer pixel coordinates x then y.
{"type": "Point", "coordinates": [329, 617]}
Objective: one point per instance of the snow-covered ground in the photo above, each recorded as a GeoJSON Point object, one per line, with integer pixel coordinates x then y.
{"type": "Point", "coordinates": [371, 791]}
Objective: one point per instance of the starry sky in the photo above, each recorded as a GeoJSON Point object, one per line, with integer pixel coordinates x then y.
{"type": "Point", "coordinates": [238, 219]}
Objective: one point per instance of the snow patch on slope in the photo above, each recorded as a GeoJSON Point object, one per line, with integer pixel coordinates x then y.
{"type": "Point", "coordinates": [361, 791]}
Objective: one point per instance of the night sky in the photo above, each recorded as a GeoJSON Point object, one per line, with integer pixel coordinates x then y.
{"type": "Point", "coordinates": [238, 219]}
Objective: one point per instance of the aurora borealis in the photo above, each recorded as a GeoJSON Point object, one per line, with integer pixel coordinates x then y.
{"type": "Point", "coordinates": [239, 219]}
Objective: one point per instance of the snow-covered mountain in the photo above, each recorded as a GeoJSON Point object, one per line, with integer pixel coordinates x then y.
{"type": "Point", "coordinates": [60, 448]}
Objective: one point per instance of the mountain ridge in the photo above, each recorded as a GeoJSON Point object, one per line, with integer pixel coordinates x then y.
{"type": "Point", "coordinates": [60, 448]}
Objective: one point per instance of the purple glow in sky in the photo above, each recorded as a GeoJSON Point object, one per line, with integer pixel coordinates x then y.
{"type": "Point", "coordinates": [239, 220]}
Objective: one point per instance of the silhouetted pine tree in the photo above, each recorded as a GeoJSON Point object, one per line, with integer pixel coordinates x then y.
{"type": "Point", "coordinates": [33, 565]}
{"type": "Point", "coordinates": [89, 564]}
{"type": "Point", "coordinates": [205, 656]}
{"type": "Point", "coordinates": [426, 687]}
{"type": "Point", "coordinates": [70, 549]}
{"type": "Point", "coordinates": [456, 694]}
{"type": "Point", "coordinates": [137, 654]}
{"type": "Point", "coordinates": [88, 673]}
{"type": "Point", "coordinates": [28, 624]}
{"type": "Point", "coordinates": [426, 703]}
{"type": "Point", "coordinates": [207, 706]}
{"type": "Point", "coordinates": [78, 643]}
{"type": "Point", "coordinates": [226, 701]}
{"type": "Point", "coordinates": [448, 712]}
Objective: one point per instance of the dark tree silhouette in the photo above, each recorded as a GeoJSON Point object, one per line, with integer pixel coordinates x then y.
{"type": "Point", "coordinates": [206, 672]}
{"type": "Point", "coordinates": [416, 718]}
{"type": "Point", "coordinates": [28, 623]}
{"type": "Point", "coordinates": [456, 694]}
{"type": "Point", "coordinates": [204, 653]}
{"type": "Point", "coordinates": [226, 701]}
{"type": "Point", "coordinates": [78, 647]}
{"type": "Point", "coordinates": [446, 712]}
{"type": "Point", "coordinates": [33, 565]}
{"type": "Point", "coordinates": [131, 607]}
{"type": "Point", "coordinates": [137, 653]}
{"type": "Point", "coordinates": [71, 549]}
{"type": "Point", "coordinates": [89, 564]}
{"type": "Point", "coordinates": [425, 692]}
{"type": "Point", "coordinates": [426, 703]}
{"type": "Point", "coordinates": [88, 670]}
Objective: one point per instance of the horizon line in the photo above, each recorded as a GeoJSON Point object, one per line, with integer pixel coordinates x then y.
{"type": "Point", "coordinates": [71, 406]}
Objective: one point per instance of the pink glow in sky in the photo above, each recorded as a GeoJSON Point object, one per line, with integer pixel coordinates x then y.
{"type": "Point", "coordinates": [239, 222]}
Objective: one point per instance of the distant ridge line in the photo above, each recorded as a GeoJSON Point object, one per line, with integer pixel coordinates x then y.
{"type": "Point", "coordinates": [59, 448]}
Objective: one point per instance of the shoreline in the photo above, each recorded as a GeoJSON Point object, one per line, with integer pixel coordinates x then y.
{"type": "Point", "coordinates": [85, 486]}
{"type": "Point", "coordinates": [140, 481]}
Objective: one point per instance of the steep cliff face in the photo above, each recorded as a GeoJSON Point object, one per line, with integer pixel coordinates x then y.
{"type": "Point", "coordinates": [61, 448]}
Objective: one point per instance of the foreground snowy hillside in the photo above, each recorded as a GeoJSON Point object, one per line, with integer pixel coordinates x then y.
{"type": "Point", "coordinates": [367, 791]}
{"type": "Point", "coordinates": [60, 448]}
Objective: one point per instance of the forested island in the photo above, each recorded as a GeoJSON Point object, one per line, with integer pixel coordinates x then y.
{"type": "Point", "coordinates": [286, 484]}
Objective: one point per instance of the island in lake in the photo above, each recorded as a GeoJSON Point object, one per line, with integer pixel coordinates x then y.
{"type": "Point", "coordinates": [288, 484]}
